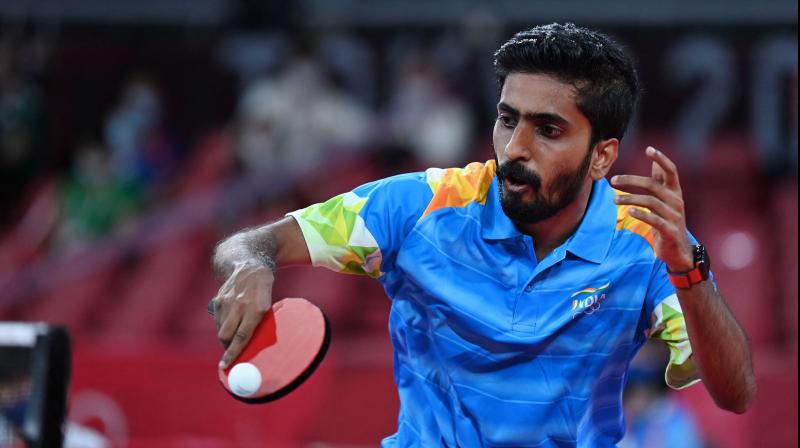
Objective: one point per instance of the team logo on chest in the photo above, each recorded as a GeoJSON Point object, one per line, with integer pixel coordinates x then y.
{"type": "Point", "coordinates": [588, 300]}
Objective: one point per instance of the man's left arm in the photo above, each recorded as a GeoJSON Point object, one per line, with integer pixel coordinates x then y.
{"type": "Point", "coordinates": [720, 349]}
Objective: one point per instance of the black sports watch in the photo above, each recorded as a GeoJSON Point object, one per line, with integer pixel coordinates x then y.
{"type": "Point", "coordinates": [687, 279]}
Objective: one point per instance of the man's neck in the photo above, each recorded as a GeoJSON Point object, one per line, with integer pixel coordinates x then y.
{"type": "Point", "coordinates": [553, 231]}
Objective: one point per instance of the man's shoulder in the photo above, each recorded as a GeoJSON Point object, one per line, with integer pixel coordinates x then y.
{"type": "Point", "coordinates": [472, 176]}
{"type": "Point", "coordinates": [458, 187]}
{"type": "Point", "coordinates": [469, 179]}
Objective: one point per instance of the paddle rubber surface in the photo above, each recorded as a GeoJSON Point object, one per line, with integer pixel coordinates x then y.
{"type": "Point", "coordinates": [285, 349]}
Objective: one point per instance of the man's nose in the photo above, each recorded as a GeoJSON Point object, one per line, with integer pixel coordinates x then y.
{"type": "Point", "coordinates": [520, 145]}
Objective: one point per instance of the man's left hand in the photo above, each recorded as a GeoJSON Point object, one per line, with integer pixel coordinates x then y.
{"type": "Point", "coordinates": [666, 209]}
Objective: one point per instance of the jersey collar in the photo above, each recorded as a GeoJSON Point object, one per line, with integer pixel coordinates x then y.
{"type": "Point", "coordinates": [593, 238]}
{"type": "Point", "coordinates": [590, 242]}
{"type": "Point", "coordinates": [496, 225]}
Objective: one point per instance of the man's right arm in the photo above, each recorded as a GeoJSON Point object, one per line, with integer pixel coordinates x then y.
{"type": "Point", "coordinates": [248, 261]}
{"type": "Point", "coordinates": [341, 234]}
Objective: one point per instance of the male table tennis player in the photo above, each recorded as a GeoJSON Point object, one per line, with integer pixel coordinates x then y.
{"type": "Point", "coordinates": [521, 287]}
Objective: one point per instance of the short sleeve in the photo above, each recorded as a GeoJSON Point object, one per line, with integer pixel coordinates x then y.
{"type": "Point", "coordinates": [360, 232]}
{"type": "Point", "coordinates": [667, 323]}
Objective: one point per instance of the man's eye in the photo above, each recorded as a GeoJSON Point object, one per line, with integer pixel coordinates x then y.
{"type": "Point", "coordinates": [506, 121]}
{"type": "Point", "coordinates": [550, 131]}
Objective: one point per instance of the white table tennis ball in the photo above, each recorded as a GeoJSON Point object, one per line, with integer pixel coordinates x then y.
{"type": "Point", "coordinates": [244, 379]}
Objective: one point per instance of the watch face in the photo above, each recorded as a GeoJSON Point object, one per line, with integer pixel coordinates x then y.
{"type": "Point", "coordinates": [701, 259]}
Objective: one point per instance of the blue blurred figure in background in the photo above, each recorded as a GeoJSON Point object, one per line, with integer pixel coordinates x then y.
{"type": "Point", "coordinates": [653, 416]}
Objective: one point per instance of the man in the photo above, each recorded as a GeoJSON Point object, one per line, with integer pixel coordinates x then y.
{"type": "Point", "coordinates": [521, 287]}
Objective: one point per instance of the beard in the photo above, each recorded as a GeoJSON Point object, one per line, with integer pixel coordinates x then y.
{"type": "Point", "coordinates": [563, 190]}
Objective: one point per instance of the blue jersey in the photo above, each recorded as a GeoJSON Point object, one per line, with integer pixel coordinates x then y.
{"type": "Point", "coordinates": [492, 347]}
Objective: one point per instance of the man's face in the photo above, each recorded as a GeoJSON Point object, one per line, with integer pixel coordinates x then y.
{"type": "Point", "coordinates": [541, 143]}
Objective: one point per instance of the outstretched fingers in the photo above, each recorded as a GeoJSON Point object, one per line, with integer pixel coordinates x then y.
{"type": "Point", "coordinates": [652, 203]}
{"type": "Point", "coordinates": [650, 185]}
{"type": "Point", "coordinates": [661, 206]}
{"type": "Point", "coordinates": [663, 185]}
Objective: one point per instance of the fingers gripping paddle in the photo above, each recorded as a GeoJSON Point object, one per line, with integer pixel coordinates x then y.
{"type": "Point", "coordinates": [283, 351]}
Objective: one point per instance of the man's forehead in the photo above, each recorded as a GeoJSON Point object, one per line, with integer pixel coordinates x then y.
{"type": "Point", "coordinates": [536, 92]}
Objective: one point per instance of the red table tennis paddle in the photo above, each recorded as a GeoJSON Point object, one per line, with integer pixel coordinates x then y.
{"type": "Point", "coordinates": [285, 349]}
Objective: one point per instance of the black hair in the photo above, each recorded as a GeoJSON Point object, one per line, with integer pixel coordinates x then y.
{"type": "Point", "coordinates": [602, 73]}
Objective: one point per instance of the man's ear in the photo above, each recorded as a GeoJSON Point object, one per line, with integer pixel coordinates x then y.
{"type": "Point", "coordinates": [604, 154]}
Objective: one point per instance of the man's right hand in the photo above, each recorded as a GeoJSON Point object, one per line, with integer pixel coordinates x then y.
{"type": "Point", "coordinates": [240, 305]}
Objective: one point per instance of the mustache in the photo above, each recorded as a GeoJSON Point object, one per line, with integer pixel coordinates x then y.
{"type": "Point", "coordinates": [516, 171]}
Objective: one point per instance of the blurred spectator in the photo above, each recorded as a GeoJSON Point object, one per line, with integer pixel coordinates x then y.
{"type": "Point", "coordinates": [93, 198]}
{"type": "Point", "coordinates": [289, 122]}
{"type": "Point", "coordinates": [21, 126]}
{"type": "Point", "coordinates": [251, 55]}
{"type": "Point", "coordinates": [283, 125]}
{"type": "Point", "coordinates": [351, 62]}
{"type": "Point", "coordinates": [653, 417]}
{"type": "Point", "coordinates": [142, 150]}
{"type": "Point", "coordinates": [424, 116]}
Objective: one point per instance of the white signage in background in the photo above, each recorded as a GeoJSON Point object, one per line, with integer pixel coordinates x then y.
{"type": "Point", "coordinates": [708, 61]}
{"type": "Point", "coordinates": [773, 99]}
{"type": "Point", "coordinates": [708, 65]}
{"type": "Point", "coordinates": [91, 405]}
